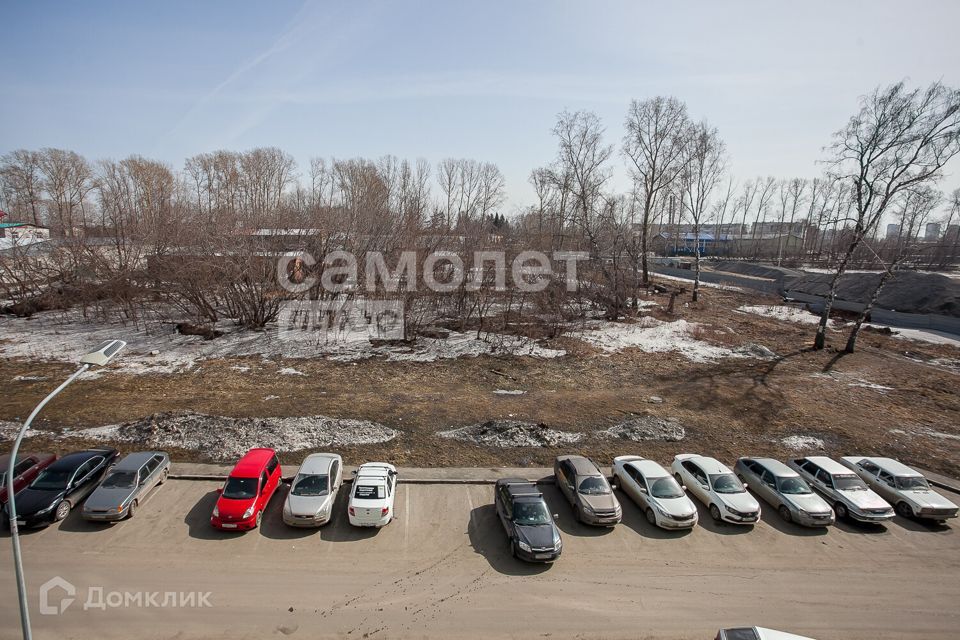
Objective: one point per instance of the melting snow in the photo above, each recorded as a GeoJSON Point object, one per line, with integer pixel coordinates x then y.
{"type": "Point", "coordinates": [654, 336]}
{"type": "Point", "coordinates": [799, 443]}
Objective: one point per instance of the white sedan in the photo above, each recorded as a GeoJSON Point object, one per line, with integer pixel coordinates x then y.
{"type": "Point", "coordinates": [655, 491]}
{"type": "Point", "coordinates": [714, 484]}
{"type": "Point", "coordinates": [371, 497]}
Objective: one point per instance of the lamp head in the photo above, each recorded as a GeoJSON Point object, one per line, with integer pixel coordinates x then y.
{"type": "Point", "coordinates": [104, 353]}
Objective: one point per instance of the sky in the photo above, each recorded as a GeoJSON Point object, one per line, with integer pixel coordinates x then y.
{"type": "Point", "coordinates": [437, 79]}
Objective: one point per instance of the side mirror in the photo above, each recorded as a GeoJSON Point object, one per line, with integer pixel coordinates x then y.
{"type": "Point", "coordinates": [556, 516]}
{"type": "Point", "coordinates": [643, 489]}
{"type": "Point", "coordinates": [745, 485]}
{"type": "Point", "coordinates": [613, 487]}
{"type": "Point", "coordinates": [354, 472]}
{"type": "Point", "coordinates": [684, 487]}
{"type": "Point", "coordinates": [219, 489]}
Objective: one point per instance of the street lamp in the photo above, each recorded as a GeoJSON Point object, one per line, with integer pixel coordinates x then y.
{"type": "Point", "coordinates": [98, 357]}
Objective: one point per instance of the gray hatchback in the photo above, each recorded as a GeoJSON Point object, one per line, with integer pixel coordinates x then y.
{"type": "Point", "coordinates": [126, 485]}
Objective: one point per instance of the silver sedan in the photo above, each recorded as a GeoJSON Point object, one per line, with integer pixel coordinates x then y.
{"type": "Point", "coordinates": [125, 486]}
{"type": "Point", "coordinates": [784, 489]}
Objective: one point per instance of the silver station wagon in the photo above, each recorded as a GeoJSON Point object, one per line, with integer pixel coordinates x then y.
{"type": "Point", "coordinates": [126, 485]}
{"type": "Point", "coordinates": [842, 488]}
{"type": "Point", "coordinates": [905, 488]}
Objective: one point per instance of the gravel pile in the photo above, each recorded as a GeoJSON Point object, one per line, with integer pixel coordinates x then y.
{"type": "Point", "coordinates": [221, 438]}
{"type": "Point", "coordinates": [907, 291]}
{"type": "Point", "coordinates": [511, 433]}
{"type": "Point", "coordinates": [646, 428]}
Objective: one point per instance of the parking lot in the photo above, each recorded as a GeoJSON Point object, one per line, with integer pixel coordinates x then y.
{"type": "Point", "coordinates": [442, 569]}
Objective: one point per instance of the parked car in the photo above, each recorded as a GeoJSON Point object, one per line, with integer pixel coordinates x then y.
{"type": "Point", "coordinates": [28, 467]}
{"type": "Point", "coordinates": [655, 491]}
{"type": "Point", "coordinates": [714, 484]}
{"type": "Point", "coordinates": [126, 485]}
{"type": "Point", "coordinates": [61, 486]}
{"type": "Point", "coordinates": [374, 490]}
{"type": "Point", "coordinates": [905, 488]}
{"type": "Point", "coordinates": [313, 491]}
{"type": "Point", "coordinates": [587, 491]}
{"type": "Point", "coordinates": [843, 489]}
{"type": "Point", "coordinates": [784, 489]}
{"type": "Point", "coordinates": [247, 491]}
{"type": "Point", "coordinates": [757, 633]}
{"type": "Point", "coordinates": [525, 517]}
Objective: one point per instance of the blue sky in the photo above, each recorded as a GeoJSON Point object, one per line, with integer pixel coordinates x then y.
{"type": "Point", "coordinates": [436, 79]}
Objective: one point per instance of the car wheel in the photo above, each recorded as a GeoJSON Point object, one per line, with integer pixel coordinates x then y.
{"type": "Point", "coordinates": [132, 509]}
{"type": "Point", "coordinates": [63, 510]}
{"type": "Point", "coordinates": [259, 519]}
{"type": "Point", "coordinates": [651, 517]}
{"type": "Point", "coordinates": [163, 478]}
{"type": "Point", "coordinates": [904, 510]}
{"type": "Point", "coordinates": [841, 510]}
{"type": "Point", "coordinates": [785, 513]}
{"type": "Point", "coordinates": [715, 512]}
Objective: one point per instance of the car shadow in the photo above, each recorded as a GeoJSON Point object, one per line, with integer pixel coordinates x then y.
{"type": "Point", "coordinates": [850, 525]}
{"type": "Point", "coordinates": [566, 521]}
{"type": "Point", "coordinates": [771, 517]}
{"type": "Point", "coordinates": [198, 519]}
{"type": "Point", "coordinates": [488, 539]}
{"type": "Point", "coordinates": [923, 526]}
{"type": "Point", "coordinates": [634, 518]}
{"type": "Point", "coordinates": [339, 528]}
{"type": "Point", "coordinates": [706, 521]}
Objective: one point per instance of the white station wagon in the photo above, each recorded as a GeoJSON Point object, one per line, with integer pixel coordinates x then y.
{"type": "Point", "coordinates": [372, 495]}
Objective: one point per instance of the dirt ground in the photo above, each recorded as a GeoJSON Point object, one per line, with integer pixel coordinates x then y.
{"type": "Point", "coordinates": [443, 569]}
{"type": "Point", "coordinates": [893, 397]}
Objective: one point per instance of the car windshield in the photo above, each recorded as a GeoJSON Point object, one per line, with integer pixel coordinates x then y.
{"type": "Point", "coordinates": [849, 483]}
{"type": "Point", "coordinates": [530, 513]}
{"type": "Point", "coordinates": [912, 483]}
{"type": "Point", "coordinates": [665, 487]}
{"type": "Point", "coordinates": [240, 488]}
{"type": "Point", "coordinates": [120, 480]}
{"type": "Point", "coordinates": [370, 492]}
{"type": "Point", "coordinates": [793, 486]}
{"type": "Point", "coordinates": [593, 486]}
{"type": "Point", "coordinates": [52, 480]}
{"type": "Point", "coordinates": [308, 484]}
{"type": "Point", "coordinates": [726, 483]}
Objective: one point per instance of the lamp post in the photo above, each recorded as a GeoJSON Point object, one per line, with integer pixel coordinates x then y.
{"type": "Point", "coordinates": [96, 358]}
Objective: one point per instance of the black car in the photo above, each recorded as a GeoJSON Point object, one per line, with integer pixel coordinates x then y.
{"type": "Point", "coordinates": [524, 514]}
{"type": "Point", "coordinates": [61, 486]}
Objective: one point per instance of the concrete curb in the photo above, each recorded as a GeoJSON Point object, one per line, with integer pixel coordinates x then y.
{"type": "Point", "coordinates": [451, 481]}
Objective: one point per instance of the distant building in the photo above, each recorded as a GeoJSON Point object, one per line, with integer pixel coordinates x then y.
{"type": "Point", "coordinates": [893, 230]}
{"type": "Point", "coordinates": [932, 233]}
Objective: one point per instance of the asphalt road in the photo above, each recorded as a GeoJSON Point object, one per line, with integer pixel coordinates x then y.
{"type": "Point", "coordinates": [442, 569]}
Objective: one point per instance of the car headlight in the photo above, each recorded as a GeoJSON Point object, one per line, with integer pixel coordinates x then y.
{"type": "Point", "coordinates": [587, 508]}
{"type": "Point", "coordinates": [48, 509]}
{"type": "Point", "coordinates": [286, 509]}
{"type": "Point", "coordinates": [324, 510]}
{"type": "Point", "coordinates": [557, 542]}
{"type": "Point", "coordinates": [216, 511]}
{"type": "Point", "coordinates": [248, 512]}
{"type": "Point", "coordinates": [523, 546]}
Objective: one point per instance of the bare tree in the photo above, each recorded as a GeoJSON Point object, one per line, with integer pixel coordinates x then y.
{"type": "Point", "coordinates": [21, 183]}
{"type": "Point", "coordinates": [653, 145]}
{"type": "Point", "coordinates": [703, 167]}
{"type": "Point", "coordinates": [899, 140]}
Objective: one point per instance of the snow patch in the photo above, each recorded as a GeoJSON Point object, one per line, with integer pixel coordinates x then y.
{"type": "Point", "coordinates": [800, 443]}
{"type": "Point", "coordinates": [225, 439]}
{"type": "Point", "coordinates": [646, 428]}
{"type": "Point", "coordinates": [511, 433]}
{"type": "Point", "coordinates": [654, 336]}
{"type": "Point", "coordinates": [290, 371]}
{"type": "Point", "coordinates": [509, 392]}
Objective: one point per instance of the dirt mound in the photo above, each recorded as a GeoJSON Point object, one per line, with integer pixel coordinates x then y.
{"type": "Point", "coordinates": [223, 439]}
{"type": "Point", "coordinates": [511, 433]}
{"type": "Point", "coordinates": [907, 291]}
{"type": "Point", "coordinates": [646, 428]}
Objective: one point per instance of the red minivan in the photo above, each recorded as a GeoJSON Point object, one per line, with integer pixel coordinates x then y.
{"type": "Point", "coordinates": [247, 491]}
